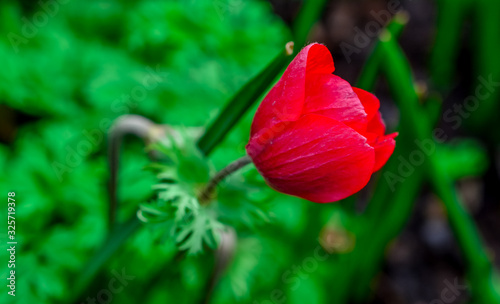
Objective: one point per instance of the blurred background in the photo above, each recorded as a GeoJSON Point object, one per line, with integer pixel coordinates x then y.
{"type": "Point", "coordinates": [69, 68]}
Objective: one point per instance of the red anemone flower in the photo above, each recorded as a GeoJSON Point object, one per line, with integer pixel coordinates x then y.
{"type": "Point", "coordinates": [316, 137]}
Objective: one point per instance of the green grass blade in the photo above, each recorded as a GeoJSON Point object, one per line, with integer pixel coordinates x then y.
{"type": "Point", "coordinates": [243, 100]}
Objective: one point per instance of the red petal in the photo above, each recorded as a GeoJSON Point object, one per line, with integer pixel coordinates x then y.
{"type": "Point", "coordinates": [285, 100]}
{"type": "Point", "coordinates": [376, 125]}
{"type": "Point", "coordinates": [384, 146]}
{"type": "Point", "coordinates": [331, 96]}
{"type": "Point", "coordinates": [316, 158]}
{"type": "Point", "coordinates": [370, 103]}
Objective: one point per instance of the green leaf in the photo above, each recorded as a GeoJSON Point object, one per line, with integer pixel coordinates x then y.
{"type": "Point", "coordinates": [242, 101]}
{"type": "Point", "coordinates": [370, 73]}
{"type": "Point", "coordinates": [203, 229]}
{"type": "Point", "coordinates": [310, 13]}
{"type": "Point", "coordinates": [116, 238]}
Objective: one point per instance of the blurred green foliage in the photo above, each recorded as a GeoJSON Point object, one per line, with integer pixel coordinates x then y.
{"type": "Point", "coordinates": [85, 66]}
{"type": "Point", "coordinates": [178, 63]}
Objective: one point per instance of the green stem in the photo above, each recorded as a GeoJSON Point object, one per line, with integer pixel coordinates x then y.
{"type": "Point", "coordinates": [125, 125]}
{"type": "Point", "coordinates": [480, 268]}
{"type": "Point", "coordinates": [371, 68]}
{"type": "Point", "coordinates": [308, 16]}
{"type": "Point", "coordinates": [113, 242]}
{"type": "Point", "coordinates": [450, 22]}
{"type": "Point", "coordinates": [486, 62]}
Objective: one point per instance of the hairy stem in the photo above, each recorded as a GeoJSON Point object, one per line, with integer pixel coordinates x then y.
{"type": "Point", "coordinates": [207, 193]}
{"type": "Point", "coordinates": [127, 124]}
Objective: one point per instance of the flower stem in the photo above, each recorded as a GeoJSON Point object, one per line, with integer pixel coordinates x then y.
{"type": "Point", "coordinates": [127, 124]}
{"type": "Point", "coordinates": [206, 195]}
